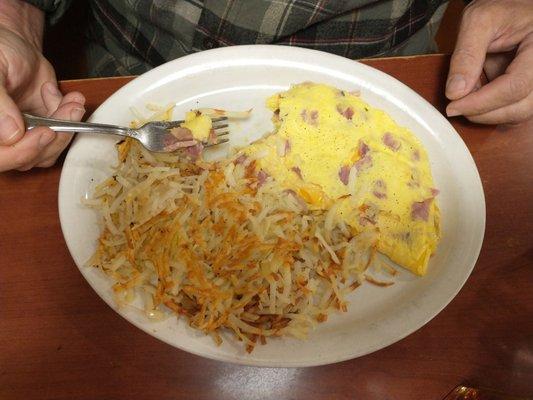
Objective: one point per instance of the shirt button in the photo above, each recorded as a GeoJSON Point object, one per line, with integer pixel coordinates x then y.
{"type": "Point", "coordinates": [209, 43]}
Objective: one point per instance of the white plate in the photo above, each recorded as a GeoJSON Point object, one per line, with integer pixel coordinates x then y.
{"type": "Point", "coordinates": [242, 77]}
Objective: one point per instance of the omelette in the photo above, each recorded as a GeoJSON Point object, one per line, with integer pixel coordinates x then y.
{"type": "Point", "coordinates": [199, 125]}
{"type": "Point", "coordinates": [334, 150]}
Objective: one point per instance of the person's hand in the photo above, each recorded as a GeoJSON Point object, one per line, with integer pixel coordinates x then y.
{"type": "Point", "coordinates": [495, 36]}
{"type": "Point", "coordinates": [28, 83]}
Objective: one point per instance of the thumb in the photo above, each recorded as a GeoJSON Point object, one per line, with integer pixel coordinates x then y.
{"type": "Point", "coordinates": [11, 124]}
{"type": "Point", "coordinates": [468, 57]}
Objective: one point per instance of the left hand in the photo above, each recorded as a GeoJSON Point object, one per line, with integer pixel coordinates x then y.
{"type": "Point", "coordinates": [495, 36]}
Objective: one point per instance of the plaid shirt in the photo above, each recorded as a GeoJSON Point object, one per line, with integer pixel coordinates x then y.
{"type": "Point", "coordinates": [133, 36]}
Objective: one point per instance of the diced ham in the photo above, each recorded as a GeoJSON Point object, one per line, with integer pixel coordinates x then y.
{"type": "Point", "coordinates": [297, 171]}
{"type": "Point", "coordinates": [240, 160]}
{"type": "Point", "coordinates": [310, 117]}
{"type": "Point", "coordinates": [262, 176]}
{"type": "Point", "coordinates": [287, 146]}
{"type": "Point", "coordinates": [345, 112]}
{"type": "Point", "coordinates": [283, 148]}
{"type": "Point", "coordinates": [416, 155]}
{"type": "Point", "coordinates": [181, 138]}
{"type": "Point", "coordinates": [380, 189]}
{"type": "Point", "coordinates": [344, 174]}
{"type": "Point", "coordinates": [391, 142]}
{"type": "Point", "coordinates": [181, 133]}
{"type": "Point", "coordinates": [434, 192]}
{"type": "Point", "coordinates": [194, 152]}
{"type": "Point", "coordinates": [363, 148]}
{"type": "Point", "coordinates": [363, 163]}
{"type": "Point", "coordinates": [420, 210]}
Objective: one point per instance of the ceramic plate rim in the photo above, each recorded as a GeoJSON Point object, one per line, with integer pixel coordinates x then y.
{"type": "Point", "coordinates": [282, 51]}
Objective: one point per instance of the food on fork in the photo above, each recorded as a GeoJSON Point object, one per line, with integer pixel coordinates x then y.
{"type": "Point", "coordinates": [272, 239]}
{"type": "Point", "coordinates": [205, 127]}
{"type": "Point", "coordinates": [199, 125]}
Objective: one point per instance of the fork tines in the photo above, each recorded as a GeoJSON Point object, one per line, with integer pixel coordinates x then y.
{"type": "Point", "coordinates": [220, 129]}
{"type": "Point", "coordinates": [220, 126]}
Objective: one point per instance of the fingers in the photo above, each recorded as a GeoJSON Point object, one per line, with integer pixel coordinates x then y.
{"type": "Point", "coordinates": [512, 114]}
{"type": "Point", "coordinates": [21, 154]}
{"type": "Point", "coordinates": [69, 107]}
{"type": "Point", "coordinates": [512, 87]}
{"type": "Point", "coordinates": [11, 125]}
{"type": "Point", "coordinates": [74, 97]}
{"type": "Point", "coordinates": [41, 146]}
{"type": "Point", "coordinates": [72, 111]}
{"type": "Point", "coordinates": [52, 97]}
{"type": "Point", "coordinates": [466, 65]}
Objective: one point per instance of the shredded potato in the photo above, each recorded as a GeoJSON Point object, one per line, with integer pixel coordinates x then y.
{"type": "Point", "coordinates": [211, 243]}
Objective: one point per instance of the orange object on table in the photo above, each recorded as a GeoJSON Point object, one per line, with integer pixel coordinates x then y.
{"type": "Point", "coordinates": [58, 339]}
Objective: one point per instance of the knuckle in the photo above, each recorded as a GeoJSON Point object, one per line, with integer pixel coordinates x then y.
{"type": "Point", "coordinates": [47, 163]}
{"type": "Point", "coordinates": [62, 140]}
{"type": "Point", "coordinates": [465, 55]}
{"type": "Point", "coordinates": [23, 159]}
{"type": "Point", "coordinates": [467, 14]}
{"type": "Point", "coordinates": [520, 114]}
{"type": "Point", "coordinates": [478, 12]}
{"type": "Point", "coordinates": [519, 86]}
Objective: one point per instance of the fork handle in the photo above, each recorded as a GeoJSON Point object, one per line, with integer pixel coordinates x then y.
{"type": "Point", "coordinates": [59, 125]}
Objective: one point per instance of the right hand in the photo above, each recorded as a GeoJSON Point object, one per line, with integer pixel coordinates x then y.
{"type": "Point", "coordinates": [28, 83]}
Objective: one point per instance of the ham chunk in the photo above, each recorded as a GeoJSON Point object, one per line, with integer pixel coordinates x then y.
{"type": "Point", "coordinates": [344, 174]}
{"type": "Point", "coordinates": [420, 210]}
{"type": "Point", "coordinates": [345, 112]}
{"type": "Point", "coordinates": [391, 142]}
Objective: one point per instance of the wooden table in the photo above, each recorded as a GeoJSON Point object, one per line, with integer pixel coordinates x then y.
{"type": "Point", "coordinates": [59, 340]}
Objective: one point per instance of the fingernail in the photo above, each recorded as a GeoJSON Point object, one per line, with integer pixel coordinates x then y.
{"type": "Point", "coordinates": [452, 112]}
{"type": "Point", "coordinates": [53, 90]}
{"type": "Point", "coordinates": [8, 129]}
{"type": "Point", "coordinates": [456, 84]}
{"type": "Point", "coordinates": [77, 113]}
{"type": "Point", "coordinates": [46, 138]}
{"type": "Point", "coordinates": [79, 100]}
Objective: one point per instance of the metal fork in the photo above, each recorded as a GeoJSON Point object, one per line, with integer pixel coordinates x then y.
{"type": "Point", "coordinates": [155, 136]}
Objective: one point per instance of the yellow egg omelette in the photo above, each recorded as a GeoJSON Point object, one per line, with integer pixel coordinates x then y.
{"type": "Point", "coordinates": [335, 150]}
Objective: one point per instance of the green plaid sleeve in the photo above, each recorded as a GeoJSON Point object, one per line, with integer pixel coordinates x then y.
{"type": "Point", "coordinates": [132, 36]}
{"type": "Point", "coordinates": [54, 9]}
